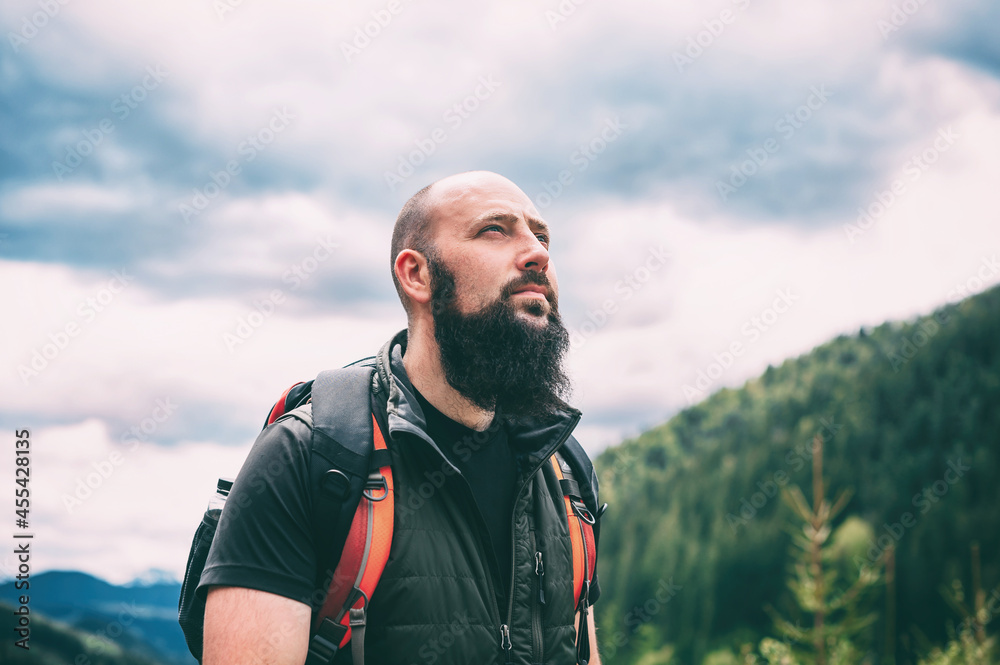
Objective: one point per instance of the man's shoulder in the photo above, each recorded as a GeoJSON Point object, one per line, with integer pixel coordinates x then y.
{"type": "Point", "coordinates": [288, 437]}
{"type": "Point", "coordinates": [297, 420]}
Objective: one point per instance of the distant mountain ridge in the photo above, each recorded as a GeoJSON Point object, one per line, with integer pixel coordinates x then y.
{"type": "Point", "coordinates": [141, 618]}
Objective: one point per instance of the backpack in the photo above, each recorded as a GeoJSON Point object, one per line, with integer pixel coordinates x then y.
{"type": "Point", "coordinates": [355, 499]}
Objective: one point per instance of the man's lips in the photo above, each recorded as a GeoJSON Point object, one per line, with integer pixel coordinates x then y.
{"type": "Point", "coordinates": [532, 290]}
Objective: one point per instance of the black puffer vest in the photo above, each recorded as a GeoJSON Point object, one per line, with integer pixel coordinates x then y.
{"type": "Point", "coordinates": [436, 601]}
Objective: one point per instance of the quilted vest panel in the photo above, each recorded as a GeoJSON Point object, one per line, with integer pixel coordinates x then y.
{"type": "Point", "coordinates": [435, 602]}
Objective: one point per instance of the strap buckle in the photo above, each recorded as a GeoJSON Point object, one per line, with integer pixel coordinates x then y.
{"type": "Point", "coordinates": [325, 642]}
{"type": "Point", "coordinates": [376, 483]}
{"type": "Point", "coordinates": [580, 508]}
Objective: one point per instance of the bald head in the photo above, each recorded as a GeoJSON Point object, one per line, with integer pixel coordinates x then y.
{"type": "Point", "coordinates": [450, 196]}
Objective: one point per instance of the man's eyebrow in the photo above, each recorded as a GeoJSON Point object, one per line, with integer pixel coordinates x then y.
{"type": "Point", "coordinates": [509, 217]}
{"type": "Point", "coordinates": [495, 216]}
{"type": "Point", "coordinates": [539, 225]}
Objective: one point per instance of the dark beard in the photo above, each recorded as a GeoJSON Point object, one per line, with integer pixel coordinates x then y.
{"type": "Point", "coordinates": [493, 358]}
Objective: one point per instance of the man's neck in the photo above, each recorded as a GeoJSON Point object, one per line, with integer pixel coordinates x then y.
{"type": "Point", "coordinates": [422, 361]}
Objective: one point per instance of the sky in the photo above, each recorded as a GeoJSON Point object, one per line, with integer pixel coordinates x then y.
{"type": "Point", "coordinates": [196, 202]}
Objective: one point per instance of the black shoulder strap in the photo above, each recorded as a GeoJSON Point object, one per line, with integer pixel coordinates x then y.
{"type": "Point", "coordinates": [583, 472]}
{"type": "Point", "coordinates": [586, 479]}
{"type": "Point", "coordinates": [342, 444]}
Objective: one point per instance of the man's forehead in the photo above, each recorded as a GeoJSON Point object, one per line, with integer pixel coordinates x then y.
{"type": "Point", "coordinates": [481, 196]}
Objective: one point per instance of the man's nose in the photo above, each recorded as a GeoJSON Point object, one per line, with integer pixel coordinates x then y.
{"type": "Point", "coordinates": [533, 254]}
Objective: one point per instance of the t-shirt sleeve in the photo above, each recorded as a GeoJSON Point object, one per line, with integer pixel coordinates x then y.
{"type": "Point", "coordinates": [265, 536]}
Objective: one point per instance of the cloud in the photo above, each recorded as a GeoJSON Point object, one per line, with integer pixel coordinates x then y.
{"type": "Point", "coordinates": [688, 125]}
{"type": "Point", "coordinates": [96, 345]}
{"type": "Point", "coordinates": [657, 331]}
{"type": "Point", "coordinates": [278, 266]}
{"type": "Point", "coordinates": [114, 510]}
{"type": "Point", "coordinates": [959, 30]}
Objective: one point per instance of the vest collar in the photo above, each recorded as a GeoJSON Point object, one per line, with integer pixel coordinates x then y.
{"type": "Point", "coordinates": [536, 437]}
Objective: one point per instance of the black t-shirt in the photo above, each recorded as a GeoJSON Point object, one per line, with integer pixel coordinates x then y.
{"type": "Point", "coordinates": [487, 462]}
{"type": "Point", "coordinates": [265, 538]}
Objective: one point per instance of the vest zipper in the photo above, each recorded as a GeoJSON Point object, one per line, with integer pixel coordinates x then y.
{"type": "Point", "coordinates": [513, 564]}
{"type": "Point", "coordinates": [506, 644]}
{"type": "Point", "coordinates": [540, 572]}
{"type": "Point", "coordinates": [536, 606]}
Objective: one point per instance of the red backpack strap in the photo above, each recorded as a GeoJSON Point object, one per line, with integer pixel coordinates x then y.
{"type": "Point", "coordinates": [281, 406]}
{"type": "Point", "coordinates": [581, 533]}
{"type": "Point", "coordinates": [364, 556]}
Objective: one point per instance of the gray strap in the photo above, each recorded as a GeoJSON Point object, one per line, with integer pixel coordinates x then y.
{"type": "Point", "coordinates": [358, 636]}
{"type": "Point", "coordinates": [342, 418]}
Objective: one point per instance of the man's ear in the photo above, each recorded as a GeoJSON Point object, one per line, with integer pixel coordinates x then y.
{"type": "Point", "coordinates": [414, 275]}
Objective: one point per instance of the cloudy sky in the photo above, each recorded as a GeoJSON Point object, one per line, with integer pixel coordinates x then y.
{"type": "Point", "coordinates": [196, 200]}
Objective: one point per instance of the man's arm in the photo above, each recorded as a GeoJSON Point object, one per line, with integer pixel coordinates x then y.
{"type": "Point", "coordinates": [250, 627]}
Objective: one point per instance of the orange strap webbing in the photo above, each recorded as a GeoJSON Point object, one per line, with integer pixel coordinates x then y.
{"type": "Point", "coordinates": [365, 551]}
{"type": "Point", "coordinates": [581, 534]}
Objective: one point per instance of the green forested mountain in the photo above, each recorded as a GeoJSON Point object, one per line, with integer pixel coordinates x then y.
{"type": "Point", "coordinates": [53, 643]}
{"type": "Point", "coordinates": [697, 541]}
{"type": "Point", "coordinates": [139, 620]}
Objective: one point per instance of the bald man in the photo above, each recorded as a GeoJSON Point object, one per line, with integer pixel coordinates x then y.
{"type": "Point", "coordinates": [481, 570]}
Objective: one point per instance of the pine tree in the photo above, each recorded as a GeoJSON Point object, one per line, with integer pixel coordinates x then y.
{"type": "Point", "coordinates": [832, 604]}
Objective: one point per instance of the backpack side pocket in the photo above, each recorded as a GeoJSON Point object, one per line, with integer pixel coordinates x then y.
{"type": "Point", "coordinates": [191, 607]}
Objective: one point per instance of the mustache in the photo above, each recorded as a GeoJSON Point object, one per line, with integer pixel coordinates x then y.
{"type": "Point", "coordinates": [531, 277]}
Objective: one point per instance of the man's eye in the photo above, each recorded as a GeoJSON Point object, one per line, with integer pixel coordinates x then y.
{"type": "Point", "coordinates": [492, 227]}
{"type": "Point", "coordinates": [542, 238]}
